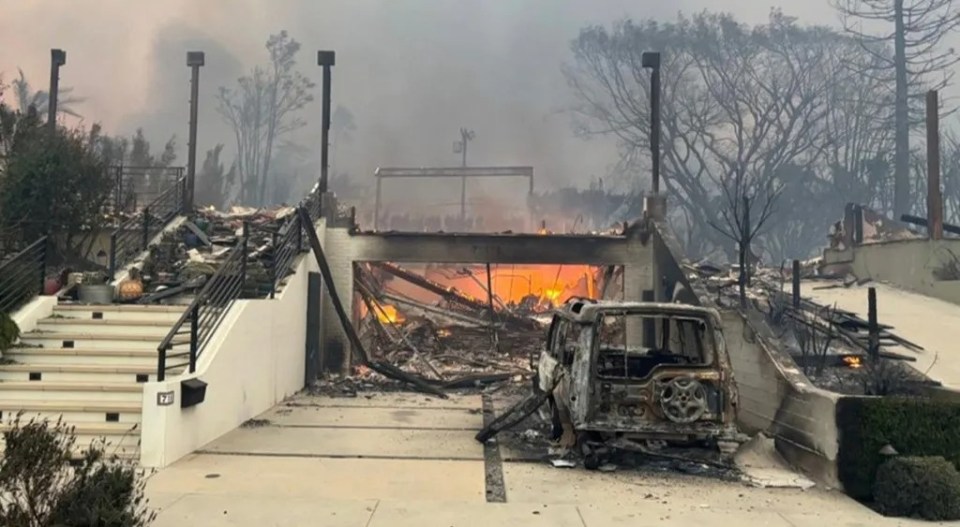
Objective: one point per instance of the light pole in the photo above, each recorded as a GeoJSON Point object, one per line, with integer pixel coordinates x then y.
{"type": "Point", "coordinates": [651, 60]}
{"type": "Point", "coordinates": [461, 147]}
{"type": "Point", "coordinates": [326, 59]}
{"type": "Point", "coordinates": [58, 57]}
{"type": "Point", "coordinates": [195, 59]}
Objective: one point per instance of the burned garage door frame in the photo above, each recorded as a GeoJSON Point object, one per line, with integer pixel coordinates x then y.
{"type": "Point", "coordinates": [346, 246]}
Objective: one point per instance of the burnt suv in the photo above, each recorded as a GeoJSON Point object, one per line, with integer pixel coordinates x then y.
{"type": "Point", "coordinates": [639, 371]}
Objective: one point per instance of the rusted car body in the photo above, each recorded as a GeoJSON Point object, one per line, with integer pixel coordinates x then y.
{"type": "Point", "coordinates": [640, 371]}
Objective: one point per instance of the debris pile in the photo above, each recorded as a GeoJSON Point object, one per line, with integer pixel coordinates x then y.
{"type": "Point", "coordinates": [831, 346]}
{"type": "Point", "coordinates": [185, 258]}
{"type": "Point", "coordinates": [444, 332]}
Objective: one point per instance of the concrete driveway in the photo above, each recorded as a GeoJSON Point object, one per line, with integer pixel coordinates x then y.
{"type": "Point", "coordinates": [410, 460]}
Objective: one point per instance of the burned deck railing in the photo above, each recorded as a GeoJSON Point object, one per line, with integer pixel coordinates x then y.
{"type": "Point", "coordinates": [133, 236]}
{"type": "Point", "coordinates": [136, 186]}
{"type": "Point", "coordinates": [192, 331]}
{"type": "Point", "coordinates": [287, 244]}
{"type": "Point", "coordinates": [22, 276]}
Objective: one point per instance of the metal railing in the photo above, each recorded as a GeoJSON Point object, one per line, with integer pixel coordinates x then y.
{"type": "Point", "coordinates": [287, 244]}
{"type": "Point", "coordinates": [133, 236]}
{"type": "Point", "coordinates": [22, 276]}
{"type": "Point", "coordinates": [186, 340]}
{"type": "Point", "coordinates": [135, 186]}
{"type": "Point", "coordinates": [190, 334]}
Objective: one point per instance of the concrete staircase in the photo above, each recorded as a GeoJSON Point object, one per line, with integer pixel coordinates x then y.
{"type": "Point", "coordinates": [87, 363]}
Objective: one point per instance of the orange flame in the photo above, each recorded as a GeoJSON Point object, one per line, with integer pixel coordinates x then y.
{"type": "Point", "coordinates": [389, 315]}
{"type": "Point", "coordinates": [552, 294]}
{"type": "Point", "coordinates": [853, 362]}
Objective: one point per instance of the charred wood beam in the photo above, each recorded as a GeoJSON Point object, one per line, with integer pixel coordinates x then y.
{"type": "Point", "coordinates": [450, 294]}
{"type": "Point", "coordinates": [851, 338]}
{"type": "Point", "coordinates": [447, 293]}
{"type": "Point", "coordinates": [922, 222]}
{"type": "Point", "coordinates": [850, 321]}
{"type": "Point", "coordinates": [453, 316]}
{"type": "Point", "coordinates": [513, 415]}
{"type": "Point", "coordinates": [385, 369]}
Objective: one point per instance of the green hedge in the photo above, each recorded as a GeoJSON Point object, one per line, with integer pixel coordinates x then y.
{"type": "Point", "coordinates": [914, 427]}
{"type": "Point", "coordinates": [918, 487]}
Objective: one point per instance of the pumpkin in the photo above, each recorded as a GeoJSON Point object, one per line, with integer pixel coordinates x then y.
{"type": "Point", "coordinates": [130, 288]}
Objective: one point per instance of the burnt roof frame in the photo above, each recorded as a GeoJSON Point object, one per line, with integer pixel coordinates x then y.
{"type": "Point", "coordinates": [463, 173]}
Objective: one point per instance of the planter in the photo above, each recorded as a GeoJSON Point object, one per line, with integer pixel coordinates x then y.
{"type": "Point", "coordinates": [95, 294]}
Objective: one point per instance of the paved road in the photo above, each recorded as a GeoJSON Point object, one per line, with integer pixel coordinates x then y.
{"type": "Point", "coordinates": [408, 460]}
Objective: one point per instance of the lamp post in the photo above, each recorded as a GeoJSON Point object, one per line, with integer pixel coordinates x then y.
{"type": "Point", "coordinates": [651, 60]}
{"type": "Point", "coordinates": [58, 57]}
{"type": "Point", "coordinates": [195, 59]}
{"type": "Point", "coordinates": [326, 59]}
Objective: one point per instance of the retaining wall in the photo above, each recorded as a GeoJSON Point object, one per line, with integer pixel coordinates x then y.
{"type": "Point", "coordinates": [778, 400]}
{"type": "Point", "coordinates": [255, 360]}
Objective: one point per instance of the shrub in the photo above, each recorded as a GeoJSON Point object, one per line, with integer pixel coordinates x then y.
{"type": "Point", "coordinates": [918, 487]}
{"type": "Point", "coordinates": [40, 486]}
{"type": "Point", "coordinates": [9, 333]}
{"type": "Point", "coordinates": [913, 427]}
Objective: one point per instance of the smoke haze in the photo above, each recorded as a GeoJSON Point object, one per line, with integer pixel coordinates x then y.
{"type": "Point", "coordinates": [411, 71]}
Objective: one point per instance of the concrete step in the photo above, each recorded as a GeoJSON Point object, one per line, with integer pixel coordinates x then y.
{"type": "Point", "coordinates": [70, 391]}
{"type": "Point", "coordinates": [74, 412]}
{"type": "Point", "coordinates": [84, 356]}
{"type": "Point", "coordinates": [145, 328]}
{"type": "Point", "coordinates": [100, 373]}
{"type": "Point", "coordinates": [119, 437]}
{"type": "Point", "coordinates": [120, 312]}
{"type": "Point", "coordinates": [59, 339]}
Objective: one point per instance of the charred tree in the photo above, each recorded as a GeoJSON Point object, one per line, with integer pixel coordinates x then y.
{"type": "Point", "coordinates": [914, 31]}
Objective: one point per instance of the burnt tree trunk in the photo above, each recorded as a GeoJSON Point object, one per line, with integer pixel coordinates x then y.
{"type": "Point", "coordinates": [901, 181]}
{"type": "Point", "coordinates": [744, 247]}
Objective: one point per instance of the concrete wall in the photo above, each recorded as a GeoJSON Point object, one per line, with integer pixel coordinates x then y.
{"type": "Point", "coordinates": [908, 264]}
{"type": "Point", "coordinates": [254, 361]}
{"type": "Point", "coordinates": [777, 400]}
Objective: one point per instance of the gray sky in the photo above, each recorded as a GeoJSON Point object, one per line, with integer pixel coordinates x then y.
{"type": "Point", "coordinates": [412, 71]}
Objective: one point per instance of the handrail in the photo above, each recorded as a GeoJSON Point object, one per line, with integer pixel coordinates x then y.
{"type": "Point", "coordinates": [287, 244]}
{"type": "Point", "coordinates": [129, 185]}
{"type": "Point", "coordinates": [206, 312]}
{"type": "Point", "coordinates": [132, 237]}
{"type": "Point", "coordinates": [22, 276]}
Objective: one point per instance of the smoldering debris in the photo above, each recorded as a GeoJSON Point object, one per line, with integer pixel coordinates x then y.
{"type": "Point", "coordinates": [831, 346]}
{"type": "Point", "coordinates": [185, 258]}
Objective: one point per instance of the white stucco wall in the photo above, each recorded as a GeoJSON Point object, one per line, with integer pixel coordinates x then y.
{"type": "Point", "coordinates": [254, 361]}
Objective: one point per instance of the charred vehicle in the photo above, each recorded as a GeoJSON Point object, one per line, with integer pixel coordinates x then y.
{"type": "Point", "coordinates": [639, 371]}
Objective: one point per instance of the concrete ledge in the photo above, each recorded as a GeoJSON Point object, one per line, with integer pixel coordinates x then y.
{"type": "Point", "coordinates": [36, 310]}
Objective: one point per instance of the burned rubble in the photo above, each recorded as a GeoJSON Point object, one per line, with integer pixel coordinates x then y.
{"type": "Point", "coordinates": [836, 349]}
{"type": "Point", "coordinates": [186, 257]}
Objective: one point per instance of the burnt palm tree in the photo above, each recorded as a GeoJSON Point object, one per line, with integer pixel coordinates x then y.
{"type": "Point", "coordinates": [26, 97]}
